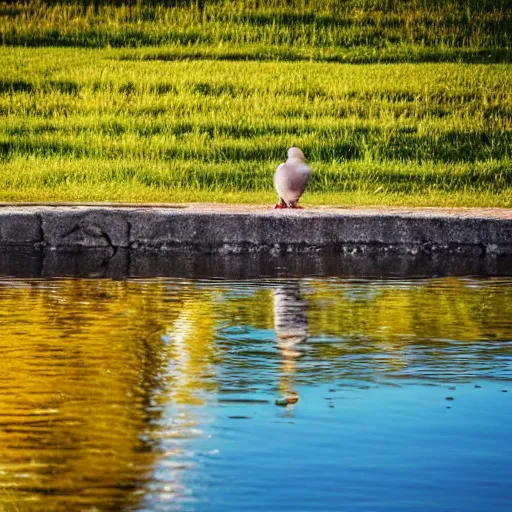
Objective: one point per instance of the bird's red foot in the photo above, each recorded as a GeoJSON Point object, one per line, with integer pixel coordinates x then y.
{"type": "Point", "coordinates": [280, 205]}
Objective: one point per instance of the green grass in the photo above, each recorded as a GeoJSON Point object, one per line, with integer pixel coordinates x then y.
{"type": "Point", "coordinates": [392, 102]}
{"type": "Point", "coordinates": [292, 24]}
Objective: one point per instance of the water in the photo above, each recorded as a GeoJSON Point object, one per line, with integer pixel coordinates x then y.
{"type": "Point", "coordinates": [160, 394]}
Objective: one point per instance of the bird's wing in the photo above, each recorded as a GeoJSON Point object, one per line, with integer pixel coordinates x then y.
{"type": "Point", "coordinates": [291, 179]}
{"type": "Point", "coordinates": [280, 179]}
{"type": "Point", "coordinates": [299, 180]}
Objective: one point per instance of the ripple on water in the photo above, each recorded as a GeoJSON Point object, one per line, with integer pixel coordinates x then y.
{"type": "Point", "coordinates": [165, 394]}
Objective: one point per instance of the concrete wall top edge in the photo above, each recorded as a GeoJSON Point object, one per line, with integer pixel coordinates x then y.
{"type": "Point", "coordinates": [241, 227]}
{"type": "Point", "coordinates": [251, 210]}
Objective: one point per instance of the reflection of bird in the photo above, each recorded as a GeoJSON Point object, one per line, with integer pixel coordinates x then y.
{"type": "Point", "coordinates": [291, 326]}
{"type": "Point", "coordinates": [291, 179]}
{"type": "Point", "coordinates": [290, 320]}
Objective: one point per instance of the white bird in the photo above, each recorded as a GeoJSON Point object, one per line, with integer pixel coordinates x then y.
{"type": "Point", "coordinates": [291, 179]}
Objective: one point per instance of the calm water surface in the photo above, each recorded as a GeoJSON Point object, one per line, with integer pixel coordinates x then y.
{"type": "Point", "coordinates": [166, 394]}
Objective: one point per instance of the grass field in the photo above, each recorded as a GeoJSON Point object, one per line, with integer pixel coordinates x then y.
{"type": "Point", "coordinates": [392, 102]}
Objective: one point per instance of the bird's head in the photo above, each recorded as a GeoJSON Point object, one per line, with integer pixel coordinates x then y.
{"type": "Point", "coordinates": [296, 154]}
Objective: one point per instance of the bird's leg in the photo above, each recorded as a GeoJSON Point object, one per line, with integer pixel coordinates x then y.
{"type": "Point", "coordinates": [281, 204]}
{"type": "Point", "coordinates": [295, 204]}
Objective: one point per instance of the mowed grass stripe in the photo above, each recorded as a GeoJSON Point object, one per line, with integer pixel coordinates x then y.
{"type": "Point", "coordinates": [449, 148]}
{"type": "Point", "coordinates": [76, 123]}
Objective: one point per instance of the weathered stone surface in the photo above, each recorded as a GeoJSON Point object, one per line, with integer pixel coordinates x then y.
{"type": "Point", "coordinates": [241, 230]}
{"type": "Point", "coordinates": [283, 231]}
{"type": "Point", "coordinates": [85, 227]}
{"type": "Point", "coordinates": [20, 227]}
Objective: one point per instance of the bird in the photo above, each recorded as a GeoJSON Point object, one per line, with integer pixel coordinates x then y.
{"type": "Point", "coordinates": [291, 179]}
{"type": "Point", "coordinates": [291, 328]}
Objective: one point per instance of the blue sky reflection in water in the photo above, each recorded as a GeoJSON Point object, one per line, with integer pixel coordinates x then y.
{"type": "Point", "coordinates": [153, 395]}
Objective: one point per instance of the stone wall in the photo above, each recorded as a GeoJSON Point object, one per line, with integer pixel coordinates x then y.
{"type": "Point", "coordinates": [227, 231]}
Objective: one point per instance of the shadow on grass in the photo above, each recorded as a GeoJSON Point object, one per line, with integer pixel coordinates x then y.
{"type": "Point", "coordinates": [361, 55]}
{"type": "Point", "coordinates": [454, 146]}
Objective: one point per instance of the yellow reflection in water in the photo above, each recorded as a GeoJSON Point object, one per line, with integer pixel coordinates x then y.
{"type": "Point", "coordinates": [78, 358]}
{"type": "Point", "coordinates": [451, 308]}
{"type": "Point", "coordinates": [192, 350]}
